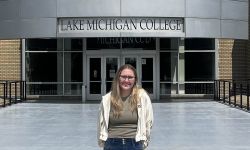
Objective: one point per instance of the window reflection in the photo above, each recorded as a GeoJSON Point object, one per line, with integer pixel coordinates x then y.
{"type": "Point", "coordinates": [42, 67]}
{"type": "Point", "coordinates": [138, 43]}
{"type": "Point", "coordinates": [199, 44]}
{"type": "Point", "coordinates": [73, 67]}
{"type": "Point", "coordinates": [41, 44]}
{"type": "Point", "coordinates": [73, 44]}
{"type": "Point", "coordinates": [199, 66]}
{"type": "Point", "coordinates": [169, 44]}
{"type": "Point", "coordinates": [168, 66]}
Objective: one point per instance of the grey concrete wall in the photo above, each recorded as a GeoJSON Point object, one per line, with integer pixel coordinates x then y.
{"type": "Point", "coordinates": [234, 15]}
{"type": "Point", "coordinates": [38, 18]}
{"type": "Point", "coordinates": [153, 8]}
{"type": "Point", "coordinates": [88, 8]}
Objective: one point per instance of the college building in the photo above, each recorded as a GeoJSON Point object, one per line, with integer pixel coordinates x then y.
{"type": "Point", "coordinates": [73, 48]}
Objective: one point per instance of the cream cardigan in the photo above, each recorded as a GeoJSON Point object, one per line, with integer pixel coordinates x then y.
{"type": "Point", "coordinates": [145, 119]}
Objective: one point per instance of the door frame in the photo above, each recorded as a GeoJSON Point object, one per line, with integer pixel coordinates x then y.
{"type": "Point", "coordinates": [120, 55]}
{"type": "Point", "coordinates": [103, 75]}
{"type": "Point", "coordinates": [139, 69]}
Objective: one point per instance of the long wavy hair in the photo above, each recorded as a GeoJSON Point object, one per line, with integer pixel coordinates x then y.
{"type": "Point", "coordinates": [116, 101]}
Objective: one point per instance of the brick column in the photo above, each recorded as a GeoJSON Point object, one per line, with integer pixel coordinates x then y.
{"type": "Point", "coordinates": [10, 59]}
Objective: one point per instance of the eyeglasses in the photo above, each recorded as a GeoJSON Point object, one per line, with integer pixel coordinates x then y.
{"type": "Point", "coordinates": [123, 78]}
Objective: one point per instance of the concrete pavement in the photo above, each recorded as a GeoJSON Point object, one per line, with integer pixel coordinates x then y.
{"type": "Point", "coordinates": [206, 125]}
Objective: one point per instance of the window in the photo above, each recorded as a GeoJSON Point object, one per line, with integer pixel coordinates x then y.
{"type": "Point", "coordinates": [41, 44]}
{"type": "Point", "coordinates": [169, 44]}
{"type": "Point", "coordinates": [103, 43]}
{"type": "Point", "coordinates": [42, 67]}
{"type": "Point", "coordinates": [199, 44]}
{"type": "Point", "coordinates": [137, 43]}
{"type": "Point", "coordinates": [54, 66]}
{"type": "Point", "coordinates": [73, 45]}
{"type": "Point", "coordinates": [199, 66]}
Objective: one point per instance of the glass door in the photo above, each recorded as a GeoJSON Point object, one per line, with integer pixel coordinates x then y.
{"type": "Point", "coordinates": [145, 67]}
{"type": "Point", "coordinates": [147, 74]}
{"type": "Point", "coordinates": [110, 69]}
{"type": "Point", "coordinates": [94, 75]}
{"type": "Point", "coordinates": [131, 60]}
{"type": "Point", "coordinates": [101, 72]}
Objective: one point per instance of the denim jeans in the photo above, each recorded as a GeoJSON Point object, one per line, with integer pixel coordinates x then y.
{"type": "Point", "coordinates": [122, 144]}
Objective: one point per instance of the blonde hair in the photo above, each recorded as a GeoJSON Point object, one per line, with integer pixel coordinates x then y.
{"type": "Point", "coordinates": [116, 101]}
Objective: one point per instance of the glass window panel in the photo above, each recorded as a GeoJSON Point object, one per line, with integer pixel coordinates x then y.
{"type": "Point", "coordinates": [44, 89]}
{"type": "Point", "coordinates": [131, 61]}
{"type": "Point", "coordinates": [199, 66]}
{"type": "Point", "coordinates": [148, 86]}
{"type": "Point", "coordinates": [199, 88]}
{"type": "Point", "coordinates": [73, 67]}
{"type": "Point", "coordinates": [73, 89]}
{"type": "Point", "coordinates": [138, 43]}
{"type": "Point", "coordinates": [41, 44]}
{"type": "Point", "coordinates": [165, 67]}
{"type": "Point", "coordinates": [95, 76]}
{"type": "Point", "coordinates": [168, 66]}
{"type": "Point", "coordinates": [168, 88]}
{"type": "Point", "coordinates": [43, 67]}
{"type": "Point", "coordinates": [169, 44]}
{"type": "Point", "coordinates": [73, 45]}
{"type": "Point", "coordinates": [111, 68]}
{"type": "Point", "coordinates": [108, 86]}
{"type": "Point", "coordinates": [95, 88]}
{"type": "Point", "coordinates": [199, 44]}
{"type": "Point", "coordinates": [95, 69]}
{"type": "Point", "coordinates": [147, 69]}
{"type": "Point", "coordinates": [103, 43]}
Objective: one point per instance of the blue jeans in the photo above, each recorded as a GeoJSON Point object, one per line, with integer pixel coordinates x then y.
{"type": "Point", "coordinates": [122, 144]}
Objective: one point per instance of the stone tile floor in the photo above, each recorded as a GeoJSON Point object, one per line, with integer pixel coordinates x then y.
{"type": "Point", "coordinates": [178, 126]}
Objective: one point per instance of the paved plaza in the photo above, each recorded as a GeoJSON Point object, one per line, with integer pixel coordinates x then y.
{"type": "Point", "coordinates": [178, 126]}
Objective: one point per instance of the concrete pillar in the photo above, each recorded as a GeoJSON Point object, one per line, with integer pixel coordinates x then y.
{"type": "Point", "coordinates": [59, 66]}
{"type": "Point", "coordinates": [174, 64]}
{"type": "Point", "coordinates": [67, 66]}
{"type": "Point", "coordinates": [181, 66]}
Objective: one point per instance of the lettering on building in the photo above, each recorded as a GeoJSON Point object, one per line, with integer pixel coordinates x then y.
{"type": "Point", "coordinates": [120, 24]}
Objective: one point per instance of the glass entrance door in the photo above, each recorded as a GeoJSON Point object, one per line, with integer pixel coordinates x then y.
{"type": "Point", "coordinates": [145, 67]}
{"type": "Point", "coordinates": [100, 73]}
{"type": "Point", "coordinates": [95, 78]}
{"type": "Point", "coordinates": [147, 74]}
{"type": "Point", "coordinates": [110, 69]}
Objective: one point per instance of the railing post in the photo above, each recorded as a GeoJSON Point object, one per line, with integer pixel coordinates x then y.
{"type": "Point", "coordinates": [25, 86]}
{"type": "Point", "coordinates": [234, 87]}
{"type": "Point", "coordinates": [4, 94]}
{"type": "Point", "coordinates": [21, 89]}
{"type": "Point", "coordinates": [241, 95]}
{"type": "Point", "coordinates": [224, 91]}
{"type": "Point", "coordinates": [15, 83]}
{"type": "Point", "coordinates": [10, 93]}
{"type": "Point", "coordinates": [219, 91]}
{"type": "Point", "coordinates": [215, 89]}
{"type": "Point", "coordinates": [248, 97]}
{"type": "Point", "coordinates": [229, 92]}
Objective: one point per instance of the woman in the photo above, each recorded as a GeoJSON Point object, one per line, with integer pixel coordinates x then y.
{"type": "Point", "coordinates": [125, 114]}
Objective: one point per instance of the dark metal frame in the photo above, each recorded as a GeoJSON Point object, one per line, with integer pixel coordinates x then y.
{"type": "Point", "coordinates": [8, 89]}
{"type": "Point", "coordinates": [232, 88]}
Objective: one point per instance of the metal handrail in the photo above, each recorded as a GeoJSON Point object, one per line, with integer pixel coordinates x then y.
{"type": "Point", "coordinates": [225, 89]}
{"type": "Point", "coordinates": [8, 91]}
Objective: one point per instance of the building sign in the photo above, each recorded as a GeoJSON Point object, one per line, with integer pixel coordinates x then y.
{"type": "Point", "coordinates": [135, 25]}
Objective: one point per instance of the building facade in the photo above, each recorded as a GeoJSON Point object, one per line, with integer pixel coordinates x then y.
{"type": "Point", "coordinates": [73, 48]}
